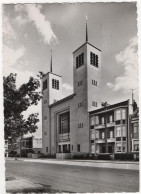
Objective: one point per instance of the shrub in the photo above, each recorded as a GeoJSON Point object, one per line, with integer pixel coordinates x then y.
{"type": "Point", "coordinates": [104, 157]}
{"type": "Point", "coordinates": [124, 156]}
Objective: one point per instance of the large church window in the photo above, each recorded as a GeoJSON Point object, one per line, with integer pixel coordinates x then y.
{"type": "Point", "coordinates": [79, 60]}
{"type": "Point", "coordinates": [64, 123]}
{"type": "Point", "coordinates": [93, 59]}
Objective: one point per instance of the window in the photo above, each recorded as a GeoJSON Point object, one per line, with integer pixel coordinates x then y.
{"type": "Point", "coordinates": [136, 146]}
{"type": "Point", "coordinates": [55, 84]}
{"type": "Point", "coordinates": [96, 120]}
{"type": "Point", "coordinates": [97, 134]}
{"type": "Point", "coordinates": [111, 134]}
{"type": "Point", "coordinates": [44, 84]}
{"type": "Point", "coordinates": [80, 104]}
{"type": "Point", "coordinates": [124, 147]}
{"type": "Point", "coordinates": [78, 147]}
{"type": "Point", "coordinates": [46, 149]}
{"type": "Point", "coordinates": [91, 120]}
{"type": "Point", "coordinates": [135, 130]}
{"type": "Point", "coordinates": [79, 60]}
{"type": "Point", "coordinates": [92, 135]}
{"type": "Point", "coordinates": [124, 131]}
{"type": "Point", "coordinates": [94, 82]}
{"type": "Point", "coordinates": [80, 125]}
{"type": "Point", "coordinates": [111, 118]}
{"type": "Point", "coordinates": [64, 123]}
{"type": "Point", "coordinates": [123, 111]}
{"type": "Point", "coordinates": [118, 146]}
{"type": "Point", "coordinates": [102, 120]}
{"type": "Point", "coordinates": [72, 147]}
{"type": "Point", "coordinates": [45, 133]}
{"type": "Point", "coordinates": [118, 132]}
{"type": "Point", "coordinates": [80, 83]}
{"type": "Point", "coordinates": [103, 135]}
{"type": "Point", "coordinates": [94, 103]}
{"type": "Point", "coordinates": [93, 59]}
{"type": "Point", "coordinates": [118, 115]}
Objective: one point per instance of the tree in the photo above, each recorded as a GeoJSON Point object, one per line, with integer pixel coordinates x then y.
{"type": "Point", "coordinates": [16, 101]}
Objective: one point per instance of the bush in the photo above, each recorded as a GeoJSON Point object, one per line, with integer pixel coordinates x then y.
{"type": "Point", "coordinates": [104, 157]}
{"type": "Point", "coordinates": [124, 156]}
{"type": "Point", "coordinates": [47, 156]}
{"type": "Point", "coordinates": [12, 153]}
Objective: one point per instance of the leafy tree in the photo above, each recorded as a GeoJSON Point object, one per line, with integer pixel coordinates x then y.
{"type": "Point", "coordinates": [16, 101]}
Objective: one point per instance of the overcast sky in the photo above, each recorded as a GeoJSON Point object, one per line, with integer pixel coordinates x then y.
{"type": "Point", "coordinates": [30, 31]}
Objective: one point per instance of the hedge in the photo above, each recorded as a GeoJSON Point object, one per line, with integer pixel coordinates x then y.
{"type": "Point", "coordinates": [124, 156]}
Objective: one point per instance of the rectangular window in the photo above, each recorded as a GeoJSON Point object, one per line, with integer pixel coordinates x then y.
{"type": "Point", "coordinates": [111, 134]}
{"type": "Point", "coordinates": [111, 118]}
{"type": "Point", "coordinates": [97, 134]}
{"type": "Point", "coordinates": [118, 131]}
{"type": "Point", "coordinates": [91, 121]}
{"type": "Point", "coordinates": [94, 82]}
{"type": "Point", "coordinates": [80, 83]}
{"type": "Point", "coordinates": [64, 123]}
{"type": "Point", "coordinates": [96, 120]}
{"type": "Point", "coordinates": [45, 101]}
{"type": "Point", "coordinates": [102, 120]}
{"type": "Point", "coordinates": [124, 131]}
{"type": "Point", "coordinates": [118, 115]}
{"type": "Point", "coordinates": [135, 130]}
{"type": "Point", "coordinates": [80, 125]}
{"type": "Point", "coordinates": [79, 60]}
{"type": "Point", "coordinates": [93, 59]}
{"type": "Point", "coordinates": [94, 103]}
{"type": "Point", "coordinates": [55, 84]}
{"type": "Point", "coordinates": [46, 149]}
{"type": "Point", "coordinates": [118, 146]}
{"type": "Point", "coordinates": [80, 104]}
{"type": "Point", "coordinates": [78, 147]}
{"type": "Point", "coordinates": [124, 147]}
{"type": "Point", "coordinates": [45, 84]}
{"type": "Point", "coordinates": [103, 135]}
{"type": "Point", "coordinates": [123, 111]}
{"type": "Point", "coordinates": [136, 146]}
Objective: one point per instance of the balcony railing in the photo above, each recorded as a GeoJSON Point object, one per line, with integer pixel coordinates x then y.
{"type": "Point", "coordinates": [110, 140]}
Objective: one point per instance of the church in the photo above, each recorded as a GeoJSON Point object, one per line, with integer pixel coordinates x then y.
{"type": "Point", "coordinates": [66, 123]}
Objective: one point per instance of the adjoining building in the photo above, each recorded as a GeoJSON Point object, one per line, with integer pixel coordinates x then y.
{"type": "Point", "coordinates": [77, 124]}
{"type": "Point", "coordinates": [109, 129]}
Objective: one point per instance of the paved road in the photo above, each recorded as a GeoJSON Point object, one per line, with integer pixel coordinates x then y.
{"type": "Point", "coordinates": [75, 178]}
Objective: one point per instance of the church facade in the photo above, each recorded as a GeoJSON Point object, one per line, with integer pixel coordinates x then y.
{"type": "Point", "coordinates": [66, 122]}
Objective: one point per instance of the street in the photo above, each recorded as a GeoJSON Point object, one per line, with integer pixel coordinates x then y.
{"type": "Point", "coordinates": [75, 178]}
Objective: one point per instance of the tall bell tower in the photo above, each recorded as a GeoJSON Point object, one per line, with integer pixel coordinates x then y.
{"type": "Point", "coordinates": [52, 92]}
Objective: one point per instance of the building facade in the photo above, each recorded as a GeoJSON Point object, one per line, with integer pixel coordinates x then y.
{"type": "Point", "coordinates": [77, 124]}
{"type": "Point", "coordinates": [109, 129]}
{"type": "Point", "coordinates": [65, 122]}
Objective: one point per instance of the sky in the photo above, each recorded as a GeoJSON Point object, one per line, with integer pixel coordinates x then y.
{"type": "Point", "coordinates": [30, 31]}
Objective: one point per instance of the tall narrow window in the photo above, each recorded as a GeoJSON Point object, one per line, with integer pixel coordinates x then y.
{"type": "Point", "coordinates": [124, 131]}
{"type": "Point", "coordinates": [78, 147]}
{"type": "Point", "coordinates": [118, 115]}
{"type": "Point", "coordinates": [93, 59]}
{"type": "Point", "coordinates": [55, 84]}
{"type": "Point", "coordinates": [45, 84]}
{"type": "Point", "coordinates": [79, 60]}
{"type": "Point", "coordinates": [118, 131]}
{"type": "Point", "coordinates": [123, 113]}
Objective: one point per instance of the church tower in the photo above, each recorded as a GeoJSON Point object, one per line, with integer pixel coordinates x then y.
{"type": "Point", "coordinates": [87, 84]}
{"type": "Point", "coordinates": [87, 74]}
{"type": "Point", "coordinates": [52, 92]}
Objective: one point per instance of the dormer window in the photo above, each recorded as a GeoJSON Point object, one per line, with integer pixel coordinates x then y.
{"type": "Point", "coordinates": [93, 59]}
{"type": "Point", "coordinates": [79, 60]}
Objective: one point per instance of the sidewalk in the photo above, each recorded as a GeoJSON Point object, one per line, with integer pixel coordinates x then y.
{"type": "Point", "coordinates": [15, 185]}
{"type": "Point", "coordinates": [130, 165]}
